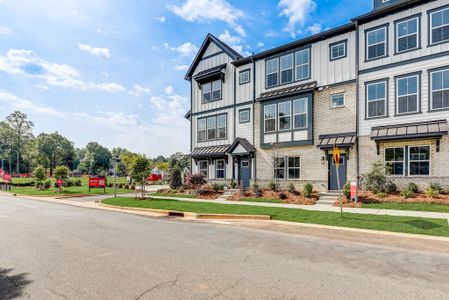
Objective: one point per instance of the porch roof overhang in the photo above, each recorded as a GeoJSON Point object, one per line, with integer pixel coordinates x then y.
{"type": "Point", "coordinates": [209, 152]}
{"type": "Point", "coordinates": [210, 74]}
{"type": "Point", "coordinates": [342, 140]}
{"type": "Point", "coordinates": [288, 91]}
{"type": "Point", "coordinates": [247, 146]}
{"type": "Point", "coordinates": [421, 130]}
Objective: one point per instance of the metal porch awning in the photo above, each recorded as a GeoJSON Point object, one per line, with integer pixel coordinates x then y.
{"type": "Point", "coordinates": [342, 140]}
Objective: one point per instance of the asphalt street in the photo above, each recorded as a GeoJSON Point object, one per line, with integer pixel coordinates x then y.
{"type": "Point", "coordinates": [55, 251]}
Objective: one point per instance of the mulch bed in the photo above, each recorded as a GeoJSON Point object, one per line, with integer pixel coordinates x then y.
{"type": "Point", "coordinates": [292, 198]}
{"type": "Point", "coordinates": [368, 197]}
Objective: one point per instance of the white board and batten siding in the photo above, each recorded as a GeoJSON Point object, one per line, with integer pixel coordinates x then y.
{"type": "Point", "coordinates": [390, 72]}
{"type": "Point", "coordinates": [245, 130]}
{"type": "Point", "coordinates": [212, 49]}
{"type": "Point", "coordinates": [324, 71]}
{"type": "Point", "coordinates": [245, 92]}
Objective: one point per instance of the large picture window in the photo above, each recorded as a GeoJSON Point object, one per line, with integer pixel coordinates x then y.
{"type": "Point", "coordinates": [212, 128]}
{"type": "Point", "coordinates": [376, 43]}
{"type": "Point", "coordinates": [220, 169]}
{"type": "Point", "coordinates": [407, 35]}
{"type": "Point", "coordinates": [203, 168]}
{"type": "Point", "coordinates": [376, 99]}
{"type": "Point", "coordinates": [287, 167]}
{"type": "Point", "coordinates": [286, 68]}
{"type": "Point", "coordinates": [394, 160]}
{"type": "Point", "coordinates": [300, 113]}
{"type": "Point", "coordinates": [211, 91]}
{"type": "Point", "coordinates": [439, 26]}
{"type": "Point", "coordinates": [440, 89]}
{"type": "Point", "coordinates": [407, 94]}
{"type": "Point", "coordinates": [270, 118]}
{"type": "Point", "coordinates": [419, 161]}
{"type": "Point", "coordinates": [272, 72]}
{"type": "Point", "coordinates": [302, 64]}
{"type": "Point", "coordinates": [284, 115]}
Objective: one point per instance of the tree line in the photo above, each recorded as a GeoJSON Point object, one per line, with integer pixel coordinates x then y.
{"type": "Point", "coordinates": [21, 152]}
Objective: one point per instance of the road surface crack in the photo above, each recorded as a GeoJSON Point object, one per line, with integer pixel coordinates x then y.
{"type": "Point", "coordinates": [227, 289]}
{"type": "Point", "coordinates": [169, 283]}
{"type": "Point", "coordinates": [58, 294]}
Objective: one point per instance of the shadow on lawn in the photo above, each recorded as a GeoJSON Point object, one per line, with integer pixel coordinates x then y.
{"type": "Point", "coordinates": [421, 224]}
{"type": "Point", "coordinates": [11, 286]}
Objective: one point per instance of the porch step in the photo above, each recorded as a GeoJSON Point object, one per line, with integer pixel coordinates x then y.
{"type": "Point", "coordinates": [231, 192]}
{"type": "Point", "coordinates": [328, 198]}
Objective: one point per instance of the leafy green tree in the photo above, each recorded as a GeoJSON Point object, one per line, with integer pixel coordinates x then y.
{"type": "Point", "coordinates": [118, 153]}
{"type": "Point", "coordinates": [62, 172]}
{"type": "Point", "coordinates": [22, 133]}
{"type": "Point", "coordinates": [5, 143]}
{"type": "Point", "coordinates": [179, 160]}
{"type": "Point", "coordinates": [175, 179]}
{"type": "Point", "coordinates": [53, 149]}
{"type": "Point", "coordinates": [40, 176]}
{"type": "Point", "coordinates": [97, 159]}
{"type": "Point", "coordinates": [140, 170]}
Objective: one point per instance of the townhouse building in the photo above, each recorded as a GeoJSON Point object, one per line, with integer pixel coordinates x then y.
{"type": "Point", "coordinates": [378, 87]}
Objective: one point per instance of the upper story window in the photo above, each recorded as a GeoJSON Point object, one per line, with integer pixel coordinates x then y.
{"type": "Point", "coordinates": [407, 94]}
{"type": "Point", "coordinates": [337, 50]}
{"type": "Point", "coordinates": [300, 113]}
{"type": "Point", "coordinates": [270, 118]}
{"type": "Point", "coordinates": [286, 68]}
{"type": "Point", "coordinates": [212, 128]}
{"type": "Point", "coordinates": [407, 35]}
{"type": "Point", "coordinates": [284, 115]}
{"type": "Point", "coordinates": [439, 26]}
{"type": "Point", "coordinates": [439, 89]}
{"type": "Point", "coordinates": [302, 64]}
{"type": "Point", "coordinates": [244, 77]}
{"type": "Point", "coordinates": [376, 43]}
{"type": "Point", "coordinates": [272, 72]}
{"type": "Point", "coordinates": [244, 115]}
{"type": "Point", "coordinates": [211, 91]}
{"type": "Point", "coordinates": [376, 97]}
{"type": "Point", "coordinates": [338, 100]}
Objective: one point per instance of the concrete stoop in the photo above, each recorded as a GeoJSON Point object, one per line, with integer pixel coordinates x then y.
{"type": "Point", "coordinates": [328, 198]}
{"type": "Point", "coordinates": [227, 194]}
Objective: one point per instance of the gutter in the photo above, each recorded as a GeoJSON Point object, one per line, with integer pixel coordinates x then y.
{"type": "Point", "coordinates": [254, 115]}
{"type": "Point", "coordinates": [357, 108]}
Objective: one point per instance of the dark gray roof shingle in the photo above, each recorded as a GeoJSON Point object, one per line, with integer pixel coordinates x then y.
{"type": "Point", "coordinates": [410, 130]}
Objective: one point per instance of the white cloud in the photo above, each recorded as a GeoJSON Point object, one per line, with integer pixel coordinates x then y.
{"type": "Point", "coordinates": [4, 30]}
{"type": "Point", "coordinates": [95, 51]}
{"type": "Point", "coordinates": [161, 19]}
{"type": "Point", "coordinates": [296, 11]}
{"type": "Point", "coordinates": [228, 38]}
{"type": "Point", "coordinates": [26, 105]}
{"type": "Point", "coordinates": [181, 67]}
{"type": "Point", "coordinates": [26, 62]}
{"type": "Point", "coordinates": [260, 44]}
{"type": "Point", "coordinates": [210, 10]}
{"type": "Point", "coordinates": [139, 90]}
{"type": "Point", "coordinates": [42, 87]}
{"type": "Point", "coordinates": [186, 49]}
{"type": "Point", "coordinates": [315, 28]}
{"type": "Point", "coordinates": [271, 33]}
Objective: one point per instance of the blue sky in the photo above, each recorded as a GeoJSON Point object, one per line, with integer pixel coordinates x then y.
{"type": "Point", "coordinates": [112, 71]}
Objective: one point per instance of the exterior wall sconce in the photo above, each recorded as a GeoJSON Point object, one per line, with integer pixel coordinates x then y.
{"type": "Point", "coordinates": [323, 159]}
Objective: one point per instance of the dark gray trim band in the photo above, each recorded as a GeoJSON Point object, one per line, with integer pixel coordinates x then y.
{"type": "Point", "coordinates": [221, 108]}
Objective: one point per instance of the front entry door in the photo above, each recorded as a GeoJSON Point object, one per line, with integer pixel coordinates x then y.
{"type": "Point", "coordinates": [244, 172]}
{"type": "Point", "coordinates": [333, 184]}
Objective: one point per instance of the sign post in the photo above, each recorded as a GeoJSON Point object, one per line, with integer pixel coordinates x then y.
{"type": "Point", "coordinates": [337, 165]}
{"type": "Point", "coordinates": [59, 183]}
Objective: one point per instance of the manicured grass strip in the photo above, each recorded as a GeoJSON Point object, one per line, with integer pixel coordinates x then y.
{"type": "Point", "coordinates": [32, 191]}
{"type": "Point", "coordinates": [436, 227]}
{"type": "Point", "coordinates": [409, 206]}
{"type": "Point", "coordinates": [262, 200]}
{"type": "Point", "coordinates": [172, 195]}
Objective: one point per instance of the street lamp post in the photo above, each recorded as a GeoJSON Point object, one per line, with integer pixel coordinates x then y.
{"type": "Point", "coordinates": [115, 160]}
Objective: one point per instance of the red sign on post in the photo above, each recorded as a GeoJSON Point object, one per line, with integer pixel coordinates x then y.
{"type": "Point", "coordinates": [97, 182]}
{"type": "Point", "coordinates": [59, 182]}
{"type": "Point", "coordinates": [7, 178]}
{"type": "Point", "coordinates": [353, 189]}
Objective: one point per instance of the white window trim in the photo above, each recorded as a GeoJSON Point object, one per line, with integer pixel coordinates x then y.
{"type": "Point", "coordinates": [265, 118]}
{"type": "Point", "coordinates": [207, 167]}
{"type": "Point", "coordinates": [375, 44]}
{"type": "Point", "coordinates": [394, 161]}
{"type": "Point", "coordinates": [337, 106]}
{"type": "Point", "coordinates": [407, 35]}
{"type": "Point", "coordinates": [275, 167]}
{"type": "Point", "coordinates": [336, 45]}
{"type": "Point", "coordinates": [384, 99]}
{"type": "Point", "coordinates": [418, 92]}
{"type": "Point", "coordinates": [203, 93]}
{"type": "Point", "coordinates": [220, 89]}
{"type": "Point", "coordinates": [279, 117]}
{"type": "Point", "coordinates": [280, 68]}
{"type": "Point", "coordinates": [205, 129]}
{"type": "Point", "coordinates": [436, 27]}
{"type": "Point", "coordinates": [304, 64]}
{"type": "Point", "coordinates": [430, 160]}
{"type": "Point", "coordinates": [277, 72]}
{"type": "Point", "coordinates": [432, 91]}
{"type": "Point", "coordinates": [301, 113]}
{"type": "Point", "coordinates": [217, 169]}
{"type": "Point", "coordinates": [240, 77]}
{"type": "Point", "coordinates": [288, 168]}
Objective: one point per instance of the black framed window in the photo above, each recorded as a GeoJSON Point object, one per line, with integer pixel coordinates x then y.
{"type": "Point", "coordinates": [221, 127]}
{"type": "Point", "coordinates": [279, 167]}
{"type": "Point", "coordinates": [439, 26]}
{"type": "Point", "coordinates": [407, 35]}
{"type": "Point", "coordinates": [338, 50]}
{"type": "Point", "coordinates": [203, 168]}
{"type": "Point", "coordinates": [286, 63]}
{"type": "Point", "coordinates": [439, 89]}
{"type": "Point", "coordinates": [212, 128]}
{"type": "Point", "coordinates": [244, 116]}
{"type": "Point", "coordinates": [407, 94]}
{"type": "Point", "coordinates": [395, 160]}
{"type": "Point", "coordinates": [338, 100]}
{"type": "Point", "coordinates": [302, 64]}
{"type": "Point", "coordinates": [294, 167]}
{"type": "Point", "coordinates": [419, 161]}
{"type": "Point", "coordinates": [300, 113]}
{"type": "Point", "coordinates": [244, 77]}
{"type": "Point", "coordinates": [270, 118]}
{"type": "Point", "coordinates": [376, 43]}
{"type": "Point", "coordinates": [202, 131]}
{"type": "Point", "coordinates": [287, 167]}
{"type": "Point", "coordinates": [376, 97]}
{"type": "Point", "coordinates": [211, 91]}
{"type": "Point", "coordinates": [284, 115]}
{"type": "Point", "coordinates": [272, 72]}
{"type": "Point", "coordinates": [220, 169]}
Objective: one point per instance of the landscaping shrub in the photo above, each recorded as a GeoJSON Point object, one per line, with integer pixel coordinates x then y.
{"type": "Point", "coordinates": [38, 185]}
{"type": "Point", "coordinates": [407, 193]}
{"type": "Point", "coordinates": [126, 186]}
{"type": "Point", "coordinates": [258, 193]}
{"type": "Point", "coordinates": [431, 193]}
{"type": "Point", "coordinates": [282, 196]}
{"type": "Point", "coordinates": [175, 178]}
{"type": "Point", "coordinates": [413, 187]}
{"type": "Point", "coordinates": [390, 187]}
{"type": "Point", "coordinates": [195, 182]}
{"type": "Point", "coordinates": [132, 186]}
{"type": "Point", "coordinates": [255, 187]}
{"type": "Point", "coordinates": [272, 186]}
{"type": "Point", "coordinates": [217, 187]}
{"type": "Point", "coordinates": [40, 176]}
{"type": "Point", "coordinates": [233, 184]}
{"type": "Point", "coordinates": [307, 190]}
{"type": "Point", "coordinates": [291, 188]}
{"type": "Point", "coordinates": [46, 185]}
{"type": "Point", "coordinates": [347, 190]}
{"type": "Point", "coordinates": [110, 184]}
{"type": "Point", "coordinates": [77, 182]}
{"type": "Point", "coordinates": [376, 180]}
{"type": "Point", "coordinates": [381, 195]}
{"type": "Point", "coordinates": [436, 187]}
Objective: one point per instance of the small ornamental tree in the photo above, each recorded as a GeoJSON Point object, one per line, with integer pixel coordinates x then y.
{"type": "Point", "coordinates": [195, 182]}
{"type": "Point", "coordinates": [376, 180]}
{"type": "Point", "coordinates": [175, 179]}
{"type": "Point", "coordinates": [40, 176]}
{"type": "Point", "coordinates": [61, 172]}
{"type": "Point", "coordinates": [140, 170]}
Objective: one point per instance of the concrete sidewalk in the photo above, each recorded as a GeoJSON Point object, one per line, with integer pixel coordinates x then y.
{"type": "Point", "coordinates": [318, 207]}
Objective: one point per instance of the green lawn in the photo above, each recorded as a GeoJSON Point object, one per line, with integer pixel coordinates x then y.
{"type": "Point", "coordinates": [409, 206]}
{"type": "Point", "coordinates": [31, 191]}
{"type": "Point", "coordinates": [436, 227]}
{"type": "Point", "coordinates": [83, 180]}
{"type": "Point", "coordinates": [172, 195]}
{"type": "Point", "coordinates": [262, 200]}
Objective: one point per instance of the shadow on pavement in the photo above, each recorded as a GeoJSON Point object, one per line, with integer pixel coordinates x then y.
{"type": "Point", "coordinates": [11, 286]}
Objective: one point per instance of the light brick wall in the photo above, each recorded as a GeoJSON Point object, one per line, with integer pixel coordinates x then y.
{"type": "Point", "coordinates": [439, 161]}
{"type": "Point", "coordinates": [327, 120]}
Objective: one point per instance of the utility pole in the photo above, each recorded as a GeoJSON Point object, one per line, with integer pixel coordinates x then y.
{"type": "Point", "coordinates": [115, 160]}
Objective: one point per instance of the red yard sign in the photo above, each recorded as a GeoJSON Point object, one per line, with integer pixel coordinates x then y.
{"type": "Point", "coordinates": [353, 190]}
{"type": "Point", "coordinates": [97, 182]}
{"type": "Point", "coordinates": [59, 182]}
{"type": "Point", "coordinates": [6, 178]}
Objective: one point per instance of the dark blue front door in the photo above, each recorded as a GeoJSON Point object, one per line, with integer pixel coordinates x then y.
{"type": "Point", "coordinates": [244, 172]}
{"type": "Point", "coordinates": [333, 183]}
